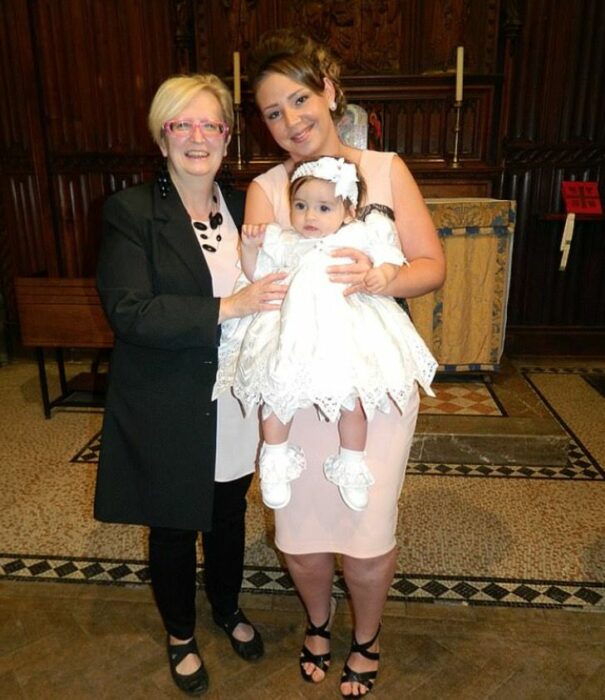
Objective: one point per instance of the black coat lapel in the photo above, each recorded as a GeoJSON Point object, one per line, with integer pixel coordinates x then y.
{"type": "Point", "coordinates": [173, 223]}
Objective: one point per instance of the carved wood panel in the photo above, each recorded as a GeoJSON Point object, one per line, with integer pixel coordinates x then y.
{"type": "Point", "coordinates": [99, 66]}
{"type": "Point", "coordinates": [28, 242]}
{"type": "Point", "coordinates": [541, 294]}
{"type": "Point", "coordinates": [371, 37]}
{"type": "Point", "coordinates": [556, 132]}
{"type": "Point", "coordinates": [97, 80]}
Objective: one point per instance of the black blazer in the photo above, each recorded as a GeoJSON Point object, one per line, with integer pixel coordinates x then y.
{"type": "Point", "coordinates": [159, 430]}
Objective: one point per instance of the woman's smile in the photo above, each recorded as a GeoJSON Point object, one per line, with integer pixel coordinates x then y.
{"type": "Point", "coordinates": [196, 153]}
{"type": "Point", "coordinates": [301, 136]}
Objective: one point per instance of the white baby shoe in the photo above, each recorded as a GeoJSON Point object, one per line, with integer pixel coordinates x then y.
{"type": "Point", "coordinates": [278, 465]}
{"type": "Point", "coordinates": [350, 472]}
{"type": "Point", "coordinates": [356, 497]}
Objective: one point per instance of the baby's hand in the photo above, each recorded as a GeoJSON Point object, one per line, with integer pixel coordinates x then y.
{"type": "Point", "coordinates": [375, 280]}
{"type": "Point", "coordinates": [378, 278]}
{"type": "Point", "coordinates": [253, 235]}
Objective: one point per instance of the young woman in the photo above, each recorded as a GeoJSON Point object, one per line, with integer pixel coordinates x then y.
{"type": "Point", "coordinates": [297, 90]}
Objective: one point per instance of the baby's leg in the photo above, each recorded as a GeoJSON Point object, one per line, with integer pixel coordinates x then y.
{"type": "Point", "coordinates": [278, 463]}
{"type": "Point", "coordinates": [274, 431]}
{"type": "Point", "coordinates": [353, 428]}
{"type": "Point", "coordinates": [348, 470]}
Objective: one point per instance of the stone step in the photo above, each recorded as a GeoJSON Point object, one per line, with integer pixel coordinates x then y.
{"type": "Point", "coordinates": [527, 432]}
{"type": "Point", "coordinates": [526, 440]}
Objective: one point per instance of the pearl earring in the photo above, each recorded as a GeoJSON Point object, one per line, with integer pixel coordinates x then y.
{"type": "Point", "coordinates": [332, 106]}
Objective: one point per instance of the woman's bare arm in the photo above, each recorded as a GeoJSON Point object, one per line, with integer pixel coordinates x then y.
{"type": "Point", "coordinates": [419, 239]}
{"type": "Point", "coordinates": [258, 207]}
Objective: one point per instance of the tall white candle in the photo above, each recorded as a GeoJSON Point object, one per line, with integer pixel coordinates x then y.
{"type": "Point", "coordinates": [459, 72]}
{"type": "Point", "coordinates": [237, 87]}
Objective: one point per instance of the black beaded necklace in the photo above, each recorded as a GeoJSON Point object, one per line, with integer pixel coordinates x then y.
{"type": "Point", "coordinates": [201, 227]}
{"type": "Point", "coordinates": [214, 220]}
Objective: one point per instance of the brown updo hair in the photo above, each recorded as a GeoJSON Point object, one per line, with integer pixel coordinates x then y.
{"type": "Point", "coordinates": [298, 57]}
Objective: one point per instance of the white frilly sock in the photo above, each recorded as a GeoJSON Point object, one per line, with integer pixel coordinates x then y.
{"type": "Point", "coordinates": [350, 456]}
{"type": "Point", "coordinates": [280, 449]}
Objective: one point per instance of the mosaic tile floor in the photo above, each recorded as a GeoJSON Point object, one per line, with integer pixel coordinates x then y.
{"type": "Point", "coordinates": [496, 535]}
{"type": "Point", "coordinates": [461, 399]}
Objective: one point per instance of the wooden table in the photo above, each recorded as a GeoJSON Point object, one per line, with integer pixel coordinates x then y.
{"type": "Point", "coordinates": [63, 313]}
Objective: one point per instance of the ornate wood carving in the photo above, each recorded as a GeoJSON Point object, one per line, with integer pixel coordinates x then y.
{"type": "Point", "coordinates": [381, 37]}
{"type": "Point", "coordinates": [183, 13]}
{"type": "Point", "coordinates": [525, 156]}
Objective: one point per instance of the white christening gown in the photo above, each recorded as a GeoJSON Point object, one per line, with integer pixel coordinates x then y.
{"type": "Point", "coordinates": [323, 348]}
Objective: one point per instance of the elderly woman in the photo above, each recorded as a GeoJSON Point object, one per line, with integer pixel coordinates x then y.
{"type": "Point", "coordinates": [297, 89]}
{"type": "Point", "coordinates": [166, 271]}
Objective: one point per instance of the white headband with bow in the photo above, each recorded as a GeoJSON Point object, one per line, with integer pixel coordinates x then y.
{"type": "Point", "coordinates": [343, 175]}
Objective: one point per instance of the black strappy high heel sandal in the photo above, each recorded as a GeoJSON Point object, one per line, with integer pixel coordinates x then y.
{"type": "Point", "coordinates": [320, 661]}
{"type": "Point", "coordinates": [365, 678]}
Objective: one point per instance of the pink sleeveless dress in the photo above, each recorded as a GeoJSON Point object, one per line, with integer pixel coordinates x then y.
{"type": "Point", "coordinates": [316, 519]}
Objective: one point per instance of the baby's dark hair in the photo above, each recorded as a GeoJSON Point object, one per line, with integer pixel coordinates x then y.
{"type": "Point", "coordinates": [295, 185]}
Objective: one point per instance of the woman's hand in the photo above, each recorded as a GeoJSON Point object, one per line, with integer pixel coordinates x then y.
{"type": "Point", "coordinates": [266, 294]}
{"type": "Point", "coordinates": [352, 273]}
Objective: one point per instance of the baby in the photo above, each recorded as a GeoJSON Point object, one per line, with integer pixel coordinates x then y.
{"type": "Point", "coordinates": [348, 355]}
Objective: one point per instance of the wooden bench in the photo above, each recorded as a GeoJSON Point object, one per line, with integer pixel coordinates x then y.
{"type": "Point", "coordinates": [58, 313]}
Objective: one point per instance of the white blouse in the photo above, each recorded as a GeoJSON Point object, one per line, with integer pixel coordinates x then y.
{"type": "Point", "coordinates": [237, 436]}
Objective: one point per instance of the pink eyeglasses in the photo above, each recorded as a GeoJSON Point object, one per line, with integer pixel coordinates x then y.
{"type": "Point", "coordinates": [184, 128]}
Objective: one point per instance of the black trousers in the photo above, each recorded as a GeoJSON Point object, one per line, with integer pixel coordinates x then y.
{"type": "Point", "coordinates": [172, 561]}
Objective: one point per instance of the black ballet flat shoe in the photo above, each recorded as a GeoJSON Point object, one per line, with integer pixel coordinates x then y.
{"type": "Point", "coordinates": [365, 678]}
{"type": "Point", "coordinates": [194, 683]}
{"type": "Point", "coordinates": [251, 650]}
{"type": "Point", "coordinates": [320, 661]}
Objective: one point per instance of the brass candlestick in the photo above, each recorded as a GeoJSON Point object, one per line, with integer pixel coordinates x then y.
{"type": "Point", "coordinates": [238, 134]}
{"type": "Point", "coordinates": [455, 160]}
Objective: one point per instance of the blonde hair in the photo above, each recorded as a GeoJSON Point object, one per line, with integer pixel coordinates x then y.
{"type": "Point", "coordinates": [298, 57]}
{"type": "Point", "coordinates": [175, 93]}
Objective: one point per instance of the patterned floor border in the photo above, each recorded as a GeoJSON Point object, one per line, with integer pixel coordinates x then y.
{"type": "Point", "coordinates": [581, 461]}
{"type": "Point", "coordinates": [426, 588]}
{"type": "Point", "coordinates": [581, 465]}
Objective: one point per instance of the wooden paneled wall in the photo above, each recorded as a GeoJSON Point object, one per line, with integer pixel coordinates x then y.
{"type": "Point", "coordinates": [77, 76]}
{"type": "Point", "coordinates": [556, 132]}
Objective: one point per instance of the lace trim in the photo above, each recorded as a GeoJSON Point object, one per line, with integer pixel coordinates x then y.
{"type": "Point", "coordinates": [348, 473]}
{"type": "Point", "coordinates": [380, 208]}
{"type": "Point", "coordinates": [282, 467]}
